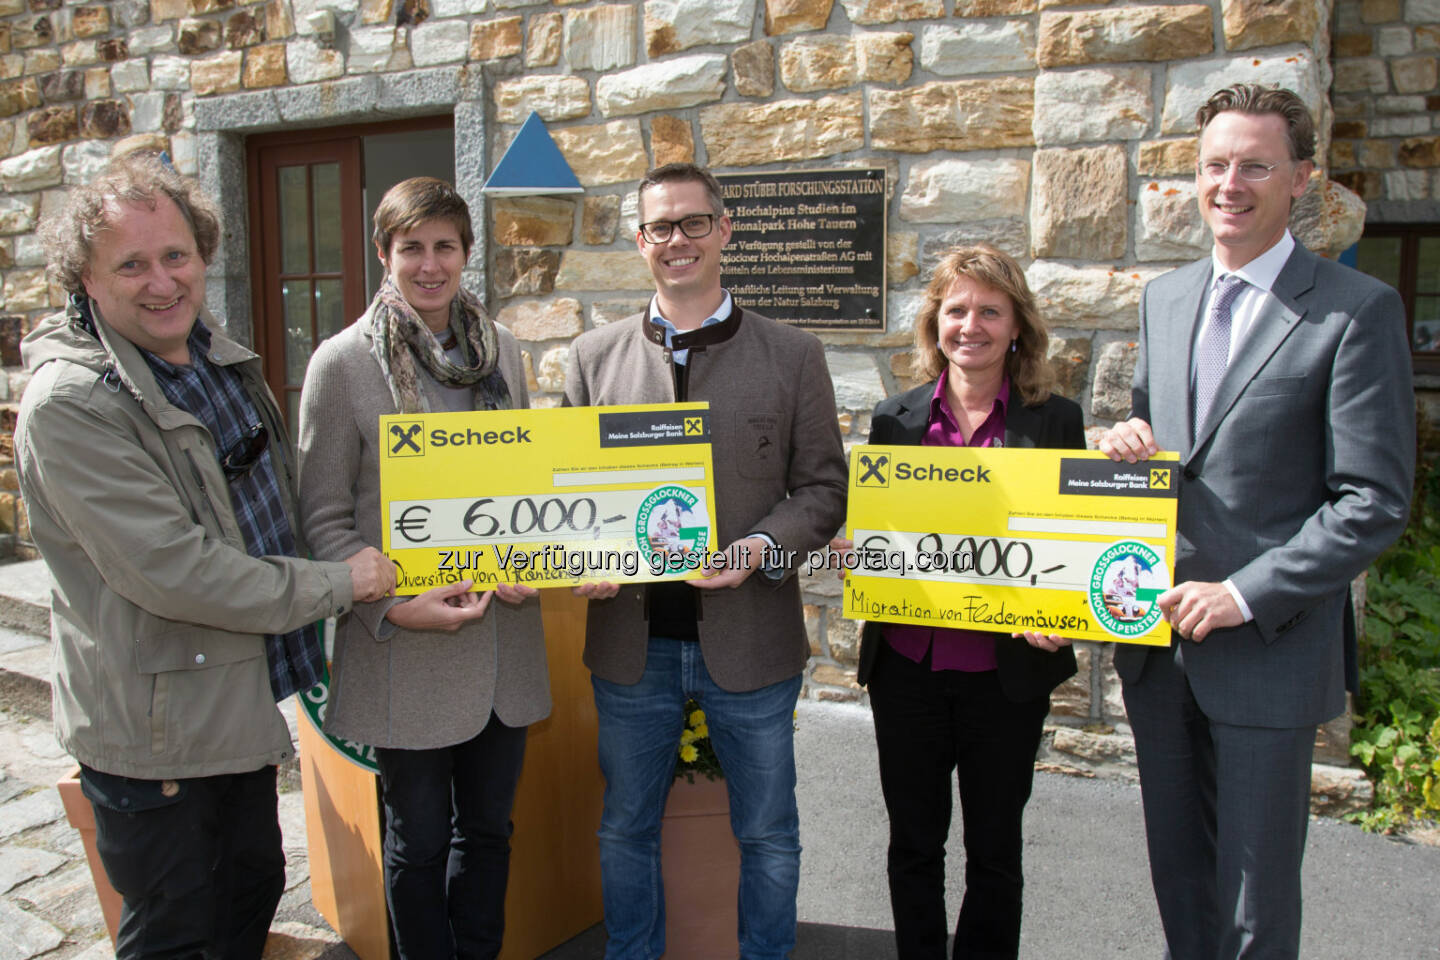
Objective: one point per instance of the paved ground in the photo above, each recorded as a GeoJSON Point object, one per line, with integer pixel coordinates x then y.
{"type": "Point", "coordinates": [1088, 891]}
{"type": "Point", "coordinates": [1087, 882]}
{"type": "Point", "coordinates": [48, 907]}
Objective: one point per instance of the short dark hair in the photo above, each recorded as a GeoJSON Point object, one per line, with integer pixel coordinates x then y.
{"type": "Point", "coordinates": [683, 173]}
{"type": "Point", "coordinates": [411, 202]}
{"type": "Point", "coordinates": [1255, 99]}
{"type": "Point", "coordinates": [68, 236]}
{"type": "Point", "coordinates": [1027, 365]}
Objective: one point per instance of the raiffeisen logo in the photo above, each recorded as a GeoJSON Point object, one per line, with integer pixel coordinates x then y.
{"type": "Point", "coordinates": [933, 473]}
{"type": "Point", "coordinates": [477, 438]}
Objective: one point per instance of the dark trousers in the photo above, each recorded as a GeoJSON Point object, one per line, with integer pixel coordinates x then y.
{"type": "Point", "coordinates": [200, 870]}
{"type": "Point", "coordinates": [929, 724]}
{"type": "Point", "coordinates": [447, 843]}
{"type": "Point", "coordinates": [1226, 813]}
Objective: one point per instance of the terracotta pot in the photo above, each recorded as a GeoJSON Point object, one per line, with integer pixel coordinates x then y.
{"type": "Point", "coordinates": [82, 817]}
{"type": "Point", "coordinates": [701, 864]}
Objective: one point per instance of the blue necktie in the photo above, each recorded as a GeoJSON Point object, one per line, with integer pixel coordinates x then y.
{"type": "Point", "coordinates": [1214, 354]}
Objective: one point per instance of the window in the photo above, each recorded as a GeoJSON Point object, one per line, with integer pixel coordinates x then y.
{"type": "Point", "coordinates": [1407, 256]}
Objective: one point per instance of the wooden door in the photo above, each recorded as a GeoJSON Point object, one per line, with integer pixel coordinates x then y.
{"type": "Point", "coordinates": [309, 249]}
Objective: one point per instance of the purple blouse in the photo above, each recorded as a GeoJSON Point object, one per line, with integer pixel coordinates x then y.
{"type": "Point", "coordinates": [972, 651]}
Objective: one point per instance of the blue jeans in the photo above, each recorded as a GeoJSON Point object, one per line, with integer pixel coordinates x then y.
{"type": "Point", "coordinates": [753, 735]}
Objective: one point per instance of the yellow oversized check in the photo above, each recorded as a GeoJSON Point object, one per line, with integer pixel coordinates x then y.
{"type": "Point", "coordinates": [547, 498]}
{"type": "Point", "coordinates": [1010, 539]}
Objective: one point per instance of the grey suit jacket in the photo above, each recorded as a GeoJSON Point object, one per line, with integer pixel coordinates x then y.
{"type": "Point", "coordinates": [1300, 475]}
{"type": "Point", "coordinates": [412, 689]}
{"type": "Point", "coordinates": [779, 468]}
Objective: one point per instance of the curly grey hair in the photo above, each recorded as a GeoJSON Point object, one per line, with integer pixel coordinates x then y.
{"type": "Point", "coordinates": [67, 236]}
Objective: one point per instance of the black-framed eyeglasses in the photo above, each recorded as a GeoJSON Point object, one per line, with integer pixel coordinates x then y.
{"type": "Point", "coordinates": [245, 452]}
{"type": "Point", "coordinates": [1251, 170]}
{"type": "Point", "coordinates": [695, 226]}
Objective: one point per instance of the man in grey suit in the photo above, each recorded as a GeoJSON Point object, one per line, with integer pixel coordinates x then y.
{"type": "Point", "coordinates": [734, 641]}
{"type": "Point", "coordinates": [1283, 381]}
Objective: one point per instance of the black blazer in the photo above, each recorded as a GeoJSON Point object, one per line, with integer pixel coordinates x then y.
{"type": "Point", "coordinates": [1026, 673]}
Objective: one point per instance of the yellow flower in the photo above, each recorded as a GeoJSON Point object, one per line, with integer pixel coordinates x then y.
{"type": "Point", "coordinates": [702, 731]}
{"type": "Point", "coordinates": [689, 754]}
{"type": "Point", "coordinates": [697, 717]}
{"type": "Point", "coordinates": [687, 737]}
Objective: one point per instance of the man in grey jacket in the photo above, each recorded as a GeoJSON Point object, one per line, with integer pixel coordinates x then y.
{"type": "Point", "coordinates": [1283, 382]}
{"type": "Point", "coordinates": [160, 487]}
{"type": "Point", "coordinates": [734, 641]}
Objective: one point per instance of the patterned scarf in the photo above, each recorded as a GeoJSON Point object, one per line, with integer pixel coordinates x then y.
{"type": "Point", "coordinates": [403, 339]}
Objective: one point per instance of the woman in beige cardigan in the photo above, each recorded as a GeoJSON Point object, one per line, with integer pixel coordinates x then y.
{"type": "Point", "coordinates": [444, 684]}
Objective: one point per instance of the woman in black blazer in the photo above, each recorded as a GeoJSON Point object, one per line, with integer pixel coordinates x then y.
{"type": "Point", "coordinates": [965, 701]}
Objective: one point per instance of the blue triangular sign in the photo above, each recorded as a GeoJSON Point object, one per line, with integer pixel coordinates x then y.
{"type": "Point", "coordinates": [532, 164]}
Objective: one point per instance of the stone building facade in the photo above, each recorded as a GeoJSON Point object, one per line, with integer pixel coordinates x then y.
{"type": "Point", "coordinates": [1386, 97]}
{"type": "Point", "coordinates": [1058, 130]}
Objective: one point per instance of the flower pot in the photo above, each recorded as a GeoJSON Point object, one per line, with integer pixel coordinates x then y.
{"type": "Point", "coordinates": [701, 864]}
{"type": "Point", "coordinates": [82, 817]}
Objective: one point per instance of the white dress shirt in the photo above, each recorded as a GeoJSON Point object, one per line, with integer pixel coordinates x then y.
{"type": "Point", "coordinates": [1259, 275]}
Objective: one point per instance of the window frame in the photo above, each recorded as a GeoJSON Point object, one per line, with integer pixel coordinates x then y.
{"type": "Point", "coordinates": [1425, 362]}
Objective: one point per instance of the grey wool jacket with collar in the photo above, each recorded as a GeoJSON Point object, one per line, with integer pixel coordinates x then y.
{"type": "Point", "coordinates": [406, 689]}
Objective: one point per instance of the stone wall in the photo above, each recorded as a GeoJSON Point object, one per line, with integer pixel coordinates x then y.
{"type": "Point", "coordinates": [1060, 134]}
{"type": "Point", "coordinates": [1386, 142]}
{"type": "Point", "coordinates": [1386, 93]}
{"type": "Point", "coordinates": [1058, 131]}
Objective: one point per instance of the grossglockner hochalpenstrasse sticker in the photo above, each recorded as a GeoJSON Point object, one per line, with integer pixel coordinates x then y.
{"type": "Point", "coordinates": [1125, 586]}
{"type": "Point", "coordinates": [672, 522]}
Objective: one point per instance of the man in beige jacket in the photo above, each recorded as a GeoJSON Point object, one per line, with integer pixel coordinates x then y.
{"type": "Point", "coordinates": [735, 641]}
{"type": "Point", "coordinates": [160, 487]}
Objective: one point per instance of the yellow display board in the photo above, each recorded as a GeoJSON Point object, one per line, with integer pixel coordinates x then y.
{"type": "Point", "coordinates": [1010, 539]}
{"type": "Point", "coordinates": [547, 498]}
